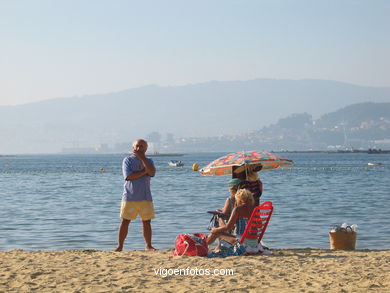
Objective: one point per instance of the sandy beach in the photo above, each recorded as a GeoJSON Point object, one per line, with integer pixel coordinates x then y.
{"type": "Point", "coordinates": [287, 270]}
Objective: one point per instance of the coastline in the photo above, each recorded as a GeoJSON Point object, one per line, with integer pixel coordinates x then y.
{"type": "Point", "coordinates": [337, 151]}
{"type": "Point", "coordinates": [286, 270]}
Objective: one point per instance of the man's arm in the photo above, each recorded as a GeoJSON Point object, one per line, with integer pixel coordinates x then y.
{"type": "Point", "coordinates": [136, 175]}
{"type": "Point", "coordinates": [149, 168]}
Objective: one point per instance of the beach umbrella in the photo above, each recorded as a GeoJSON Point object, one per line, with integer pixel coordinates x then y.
{"type": "Point", "coordinates": [225, 164]}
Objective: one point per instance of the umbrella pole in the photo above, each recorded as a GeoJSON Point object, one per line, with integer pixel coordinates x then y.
{"type": "Point", "coordinates": [246, 167]}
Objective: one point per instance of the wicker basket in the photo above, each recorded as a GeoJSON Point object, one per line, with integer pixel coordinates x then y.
{"type": "Point", "coordinates": [342, 240]}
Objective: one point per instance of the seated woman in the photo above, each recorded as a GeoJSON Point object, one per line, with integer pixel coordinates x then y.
{"type": "Point", "coordinates": [224, 214]}
{"type": "Point", "coordinates": [243, 210]}
{"type": "Point", "coordinates": [230, 201]}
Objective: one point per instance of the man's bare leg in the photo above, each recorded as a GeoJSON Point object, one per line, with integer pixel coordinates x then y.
{"type": "Point", "coordinates": [122, 234]}
{"type": "Point", "coordinates": [147, 232]}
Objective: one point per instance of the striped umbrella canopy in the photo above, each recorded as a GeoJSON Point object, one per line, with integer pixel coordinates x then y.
{"type": "Point", "coordinates": [223, 165]}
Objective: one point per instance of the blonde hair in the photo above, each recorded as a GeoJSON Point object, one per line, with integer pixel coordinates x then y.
{"type": "Point", "coordinates": [244, 196]}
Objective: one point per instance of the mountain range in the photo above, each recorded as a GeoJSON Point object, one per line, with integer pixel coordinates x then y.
{"type": "Point", "coordinates": [211, 109]}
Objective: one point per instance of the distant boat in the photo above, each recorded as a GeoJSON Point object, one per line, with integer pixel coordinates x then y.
{"type": "Point", "coordinates": [373, 164]}
{"type": "Point", "coordinates": [176, 163]}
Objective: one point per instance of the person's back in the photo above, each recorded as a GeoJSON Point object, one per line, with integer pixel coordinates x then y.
{"type": "Point", "coordinates": [240, 214]}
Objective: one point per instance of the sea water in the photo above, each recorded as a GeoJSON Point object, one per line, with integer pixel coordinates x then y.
{"type": "Point", "coordinates": [57, 202]}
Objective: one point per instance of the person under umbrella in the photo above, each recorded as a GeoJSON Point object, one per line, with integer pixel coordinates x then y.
{"type": "Point", "coordinates": [251, 181]}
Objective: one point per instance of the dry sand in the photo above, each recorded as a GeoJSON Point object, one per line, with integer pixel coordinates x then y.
{"type": "Point", "coordinates": [289, 270]}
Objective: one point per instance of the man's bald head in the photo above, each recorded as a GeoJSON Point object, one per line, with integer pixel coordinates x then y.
{"type": "Point", "coordinates": [140, 145]}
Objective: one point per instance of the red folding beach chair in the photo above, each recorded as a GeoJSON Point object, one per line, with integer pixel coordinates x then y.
{"type": "Point", "coordinates": [258, 222]}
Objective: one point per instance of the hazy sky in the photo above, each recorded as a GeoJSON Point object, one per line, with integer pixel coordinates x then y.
{"type": "Point", "coordinates": [52, 48]}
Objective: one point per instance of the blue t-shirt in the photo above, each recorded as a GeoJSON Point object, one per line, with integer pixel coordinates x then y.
{"type": "Point", "coordinates": [137, 189]}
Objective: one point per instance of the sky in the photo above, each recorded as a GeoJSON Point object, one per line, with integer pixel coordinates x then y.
{"type": "Point", "coordinates": [52, 48]}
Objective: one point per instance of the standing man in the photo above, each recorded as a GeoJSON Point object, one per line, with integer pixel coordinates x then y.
{"type": "Point", "coordinates": [137, 197]}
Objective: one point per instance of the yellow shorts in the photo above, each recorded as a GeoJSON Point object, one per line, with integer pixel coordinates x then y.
{"type": "Point", "coordinates": [131, 209]}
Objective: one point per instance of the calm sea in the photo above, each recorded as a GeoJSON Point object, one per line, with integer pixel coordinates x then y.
{"type": "Point", "coordinates": [57, 202]}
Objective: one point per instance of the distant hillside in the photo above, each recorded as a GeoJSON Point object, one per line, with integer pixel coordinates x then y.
{"type": "Point", "coordinates": [364, 125]}
{"type": "Point", "coordinates": [198, 110]}
{"type": "Point", "coordinates": [354, 115]}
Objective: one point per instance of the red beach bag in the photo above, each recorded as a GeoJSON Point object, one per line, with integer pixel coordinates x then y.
{"type": "Point", "coordinates": [191, 244]}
